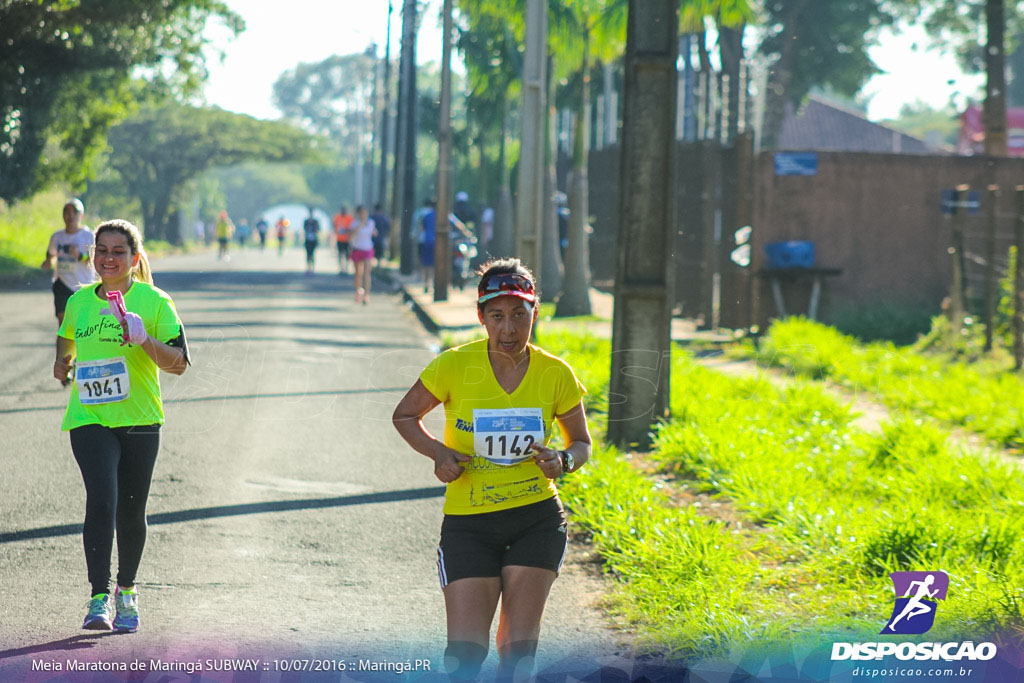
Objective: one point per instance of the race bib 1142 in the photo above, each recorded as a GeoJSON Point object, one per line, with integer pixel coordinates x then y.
{"type": "Point", "coordinates": [504, 436]}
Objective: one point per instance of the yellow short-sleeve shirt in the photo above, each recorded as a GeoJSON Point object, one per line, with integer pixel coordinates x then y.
{"type": "Point", "coordinates": [463, 380]}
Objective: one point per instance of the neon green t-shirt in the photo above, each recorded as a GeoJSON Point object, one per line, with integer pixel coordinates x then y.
{"type": "Point", "coordinates": [116, 386]}
{"type": "Point", "coordinates": [463, 380]}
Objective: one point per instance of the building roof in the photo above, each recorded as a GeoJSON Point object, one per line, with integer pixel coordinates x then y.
{"type": "Point", "coordinates": [823, 126]}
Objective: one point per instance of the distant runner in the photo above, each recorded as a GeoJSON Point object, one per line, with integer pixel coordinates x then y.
{"type": "Point", "coordinates": [282, 234]}
{"type": "Point", "coordinates": [342, 223]}
{"type": "Point", "coordinates": [362, 233]}
{"type": "Point", "coordinates": [115, 410]}
{"type": "Point", "coordinates": [225, 229]}
{"type": "Point", "coordinates": [504, 529]}
{"type": "Point", "coordinates": [261, 230]}
{"type": "Point", "coordinates": [311, 230]}
{"type": "Point", "coordinates": [68, 256]}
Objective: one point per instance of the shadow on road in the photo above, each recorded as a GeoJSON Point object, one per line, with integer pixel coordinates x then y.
{"type": "Point", "coordinates": [240, 509]}
{"type": "Point", "coordinates": [235, 397]}
{"type": "Point", "coordinates": [82, 642]}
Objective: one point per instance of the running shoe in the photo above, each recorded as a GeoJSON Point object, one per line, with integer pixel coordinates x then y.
{"type": "Point", "coordinates": [127, 605]}
{"type": "Point", "coordinates": [98, 616]}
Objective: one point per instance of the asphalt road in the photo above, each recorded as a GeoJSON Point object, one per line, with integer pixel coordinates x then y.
{"type": "Point", "coordinates": [288, 520]}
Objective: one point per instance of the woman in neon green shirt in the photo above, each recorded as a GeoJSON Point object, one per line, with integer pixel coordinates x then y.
{"type": "Point", "coordinates": [115, 410]}
{"type": "Point", "coordinates": [504, 530]}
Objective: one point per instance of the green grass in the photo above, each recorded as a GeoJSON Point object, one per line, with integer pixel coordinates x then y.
{"type": "Point", "coordinates": [820, 513]}
{"type": "Point", "coordinates": [982, 396]}
{"type": "Point", "coordinates": [684, 580]}
{"type": "Point", "coordinates": [852, 505]}
{"type": "Point", "coordinates": [25, 230]}
{"type": "Point", "coordinates": [547, 314]}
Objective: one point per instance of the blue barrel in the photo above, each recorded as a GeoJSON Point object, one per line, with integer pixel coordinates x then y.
{"type": "Point", "coordinates": [792, 254]}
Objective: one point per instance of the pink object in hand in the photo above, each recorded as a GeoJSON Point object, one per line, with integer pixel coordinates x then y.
{"type": "Point", "coordinates": [119, 311]}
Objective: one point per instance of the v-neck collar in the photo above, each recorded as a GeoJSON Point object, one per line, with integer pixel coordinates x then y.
{"type": "Point", "coordinates": [494, 376]}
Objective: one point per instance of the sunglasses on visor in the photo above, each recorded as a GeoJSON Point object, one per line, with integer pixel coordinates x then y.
{"type": "Point", "coordinates": [508, 284]}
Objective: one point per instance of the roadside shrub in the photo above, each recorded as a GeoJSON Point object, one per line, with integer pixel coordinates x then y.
{"type": "Point", "coordinates": [899, 322]}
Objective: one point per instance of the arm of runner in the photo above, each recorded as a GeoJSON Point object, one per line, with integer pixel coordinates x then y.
{"type": "Point", "coordinates": [65, 357]}
{"type": "Point", "coordinates": [575, 433]}
{"type": "Point", "coordinates": [168, 358]}
{"type": "Point", "coordinates": [408, 420]}
{"type": "Point", "coordinates": [51, 257]}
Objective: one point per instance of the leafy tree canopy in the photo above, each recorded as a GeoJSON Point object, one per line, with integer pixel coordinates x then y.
{"type": "Point", "coordinates": [332, 98]}
{"type": "Point", "coordinates": [65, 70]}
{"type": "Point", "coordinates": [830, 41]}
{"type": "Point", "coordinates": [161, 148]}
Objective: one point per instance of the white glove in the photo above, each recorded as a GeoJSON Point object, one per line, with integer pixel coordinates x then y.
{"type": "Point", "coordinates": [136, 329]}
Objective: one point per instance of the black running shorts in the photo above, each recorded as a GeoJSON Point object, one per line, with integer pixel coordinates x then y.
{"type": "Point", "coordinates": [61, 294]}
{"type": "Point", "coordinates": [480, 545]}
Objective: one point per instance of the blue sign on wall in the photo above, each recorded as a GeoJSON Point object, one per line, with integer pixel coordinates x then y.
{"type": "Point", "coordinates": [796, 163]}
{"type": "Point", "coordinates": [972, 202]}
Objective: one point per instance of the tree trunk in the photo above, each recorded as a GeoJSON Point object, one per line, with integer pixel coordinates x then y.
{"type": "Point", "coordinates": [575, 299]}
{"type": "Point", "coordinates": [641, 327]}
{"type": "Point", "coordinates": [550, 255]}
{"type": "Point", "coordinates": [530, 188]}
{"type": "Point", "coordinates": [405, 153]}
{"type": "Point", "coordinates": [779, 77]}
{"type": "Point", "coordinates": [502, 238]}
{"type": "Point", "coordinates": [442, 243]}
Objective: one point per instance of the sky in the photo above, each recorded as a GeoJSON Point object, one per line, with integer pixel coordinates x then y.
{"type": "Point", "coordinates": [279, 35]}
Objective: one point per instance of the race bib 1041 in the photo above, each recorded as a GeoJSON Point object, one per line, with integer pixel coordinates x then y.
{"type": "Point", "coordinates": [504, 436]}
{"type": "Point", "coordinates": [102, 381]}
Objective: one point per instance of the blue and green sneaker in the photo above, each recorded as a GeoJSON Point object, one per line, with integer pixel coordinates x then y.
{"type": "Point", "coordinates": [98, 616]}
{"type": "Point", "coordinates": [126, 602]}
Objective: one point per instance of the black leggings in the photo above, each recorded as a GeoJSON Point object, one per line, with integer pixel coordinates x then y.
{"type": "Point", "coordinates": [117, 468]}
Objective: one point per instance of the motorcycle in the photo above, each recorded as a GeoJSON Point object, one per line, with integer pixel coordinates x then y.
{"type": "Point", "coordinates": [463, 252]}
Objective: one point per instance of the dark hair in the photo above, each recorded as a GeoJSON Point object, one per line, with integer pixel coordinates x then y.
{"type": "Point", "coordinates": [134, 237]}
{"type": "Point", "coordinates": [508, 265]}
{"type": "Point", "coordinates": [377, 207]}
{"type": "Point", "coordinates": [361, 207]}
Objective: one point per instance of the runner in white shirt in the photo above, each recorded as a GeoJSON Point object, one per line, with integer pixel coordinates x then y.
{"type": "Point", "coordinates": [69, 256]}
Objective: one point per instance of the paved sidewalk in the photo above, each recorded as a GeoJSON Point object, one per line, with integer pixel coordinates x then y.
{"type": "Point", "coordinates": [459, 312]}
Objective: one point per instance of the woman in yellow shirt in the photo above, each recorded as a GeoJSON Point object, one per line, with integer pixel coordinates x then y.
{"type": "Point", "coordinates": [504, 529]}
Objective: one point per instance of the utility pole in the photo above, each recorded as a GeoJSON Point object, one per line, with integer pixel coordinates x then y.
{"type": "Point", "coordinates": [405, 153]}
{"type": "Point", "coordinates": [641, 324]}
{"type": "Point", "coordinates": [371, 190]}
{"type": "Point", "coordinates": [442, 249]}
{"type": "Point", "coordinates": [994, 111]}
{"type": "Point", "coordinates": [385, 118]}
{"type": "Point", "coordinates": [529, 200]}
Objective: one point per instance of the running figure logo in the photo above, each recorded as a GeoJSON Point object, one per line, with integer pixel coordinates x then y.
{"type": "Point", "coordinates": [917, 594]}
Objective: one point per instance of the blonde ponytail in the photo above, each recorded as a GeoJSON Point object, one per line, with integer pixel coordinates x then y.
{"type": "Point", "coordinates": [141, 272]}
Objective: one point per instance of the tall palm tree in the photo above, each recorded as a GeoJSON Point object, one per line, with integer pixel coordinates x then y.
{"type": "Point", "coordinates": [493, 64]}
{"type": "Point", "coordinates": [587, 31]}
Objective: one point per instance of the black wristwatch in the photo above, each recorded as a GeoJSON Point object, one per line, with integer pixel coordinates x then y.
{"type": "Point", "coordinates": [567, 461]}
